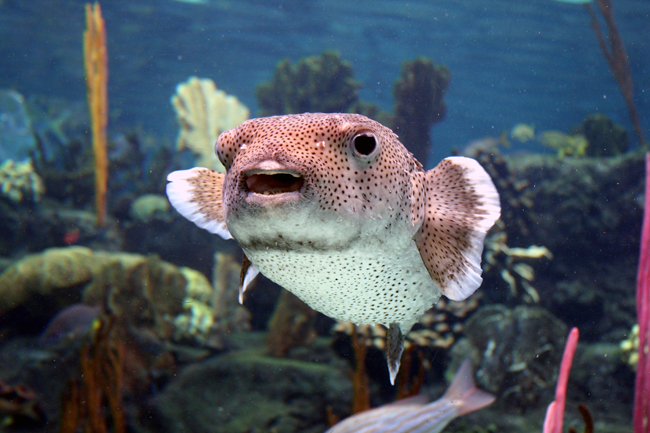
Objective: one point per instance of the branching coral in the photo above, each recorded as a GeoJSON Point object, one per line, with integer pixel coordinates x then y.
{"type": "Point", "coordinates": [555, 411]}
{"type": "Point", "coordinates": [203, 112]}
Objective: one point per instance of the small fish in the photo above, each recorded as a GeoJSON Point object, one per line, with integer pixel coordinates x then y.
{"type": "Point", "coordinates": [522, 132]}
{"type": "Point", "coordinates": [333, 208]}
{"type": "Point", "coordinates": [69, 323]}
{"type": "Point", "coordinates": [413, 415]}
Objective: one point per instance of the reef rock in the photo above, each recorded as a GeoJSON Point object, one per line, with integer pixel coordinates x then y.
{"type": "Point", "coordinates": [147, 293]}
{"type": "Point", "coordinates": [517, 352]}
{"type": "Point", "coordinates": [246, 391]}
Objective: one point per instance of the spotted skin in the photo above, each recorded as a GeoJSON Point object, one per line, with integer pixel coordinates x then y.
{"type": "Point", "coordinates": [335, 209]}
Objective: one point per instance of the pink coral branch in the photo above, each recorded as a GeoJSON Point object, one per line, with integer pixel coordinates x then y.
{"type": "Point", "coordinates": [642, 386]}
{"type": "Point", "coordinates": [555, 411]}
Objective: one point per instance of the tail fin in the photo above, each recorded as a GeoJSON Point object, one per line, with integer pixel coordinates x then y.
{"type": "Point", "coordinates": [464, 393]}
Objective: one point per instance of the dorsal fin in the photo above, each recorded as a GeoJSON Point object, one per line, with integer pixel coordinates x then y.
{"type": "Point", "coordinates": [460, 205]}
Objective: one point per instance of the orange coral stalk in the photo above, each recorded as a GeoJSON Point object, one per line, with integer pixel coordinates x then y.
{"type": "Point", "coordinates": [96, 65]}
{"type": "Point", "coordinates": [102, 371]}
{"type": "Point", "coordinates": [360, 381]}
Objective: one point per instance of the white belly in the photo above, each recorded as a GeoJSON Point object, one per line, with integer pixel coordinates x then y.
{"type": "Point", "coordinates": [376, 283]}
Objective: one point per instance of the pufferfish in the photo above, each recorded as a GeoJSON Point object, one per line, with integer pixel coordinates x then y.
{"type": "Point", "coordinates": [335, 209]}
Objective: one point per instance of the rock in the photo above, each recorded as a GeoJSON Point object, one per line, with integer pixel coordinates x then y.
{"type": "Point", "coordinates": [146, 293]}
{"type": "Point", "coordinates": [518, 352]}
{"type": "Point", "coordinates": [148, 207]}
{"type": "Point", "coordinates": [246, 391]}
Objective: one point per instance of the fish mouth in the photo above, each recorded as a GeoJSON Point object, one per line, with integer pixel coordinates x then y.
{"type": "Point", "coordinates": [270, 178]}
{"type": "Point", "coordinates": [274, 183]}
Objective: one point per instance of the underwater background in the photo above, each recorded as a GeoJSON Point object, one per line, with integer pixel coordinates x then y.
{"type": "Point", "coordinates": [128, 320]}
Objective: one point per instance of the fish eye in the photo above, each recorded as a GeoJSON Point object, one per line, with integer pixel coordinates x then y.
{"type": "Point", "coordinates": [364, 144]}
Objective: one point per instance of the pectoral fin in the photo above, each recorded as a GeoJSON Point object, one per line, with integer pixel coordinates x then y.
{"type": "Point", "coordinates": [197, 195]}
{"type": "Point", "coordinates": [247, 275]}
{"type": "Point", "coordinates": [460, 205]}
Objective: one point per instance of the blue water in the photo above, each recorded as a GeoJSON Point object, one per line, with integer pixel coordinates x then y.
{"type": "Point", "coordinates": [534, 61]}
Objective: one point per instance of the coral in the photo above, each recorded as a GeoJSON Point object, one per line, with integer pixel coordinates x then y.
{"type": "Point", "coordinates": [630, 347]}
{"type": "Point", "coordinates": [98, 392]}
{"type": "Point", "coordinates": [418, 97]}
{"type": "Point", "coordinates": [565, 145]}
{"type": "Point", "coordinates": [148, 207]}
{"type": "Point", "coordinates": [605, 137]}
{"type": "Point", "coordinates": [438, 328]}
{"type": "Point", "coordinates": [512, 266]}
{"type": "Point", "coordinates": [326, 84]}
{"type": "Point", "coordinates": [555, 411]}
{"type": "Point", "coordinates": [54, 270]}
{"type": "Point", "coordinates": [228, 312]}
{"type": "Point", "coordinates": [641, 421]}
{"type": "Point", "coordinates": [321, 83]}
{"type": "Point", "coordinates": [514, 191]}
{"type": "Point", "coordinates": [359, 377]}
{"type": "Point", "coordinates": [203, 112]}
{"type": "Point", "coordinates": [19, 181]}
{"type": "Point", "coordinates": [291, 325]}
{"type": "Point", "coordinates": [96, 66]}
{"type": "Point", "coordinates": [197, 321]}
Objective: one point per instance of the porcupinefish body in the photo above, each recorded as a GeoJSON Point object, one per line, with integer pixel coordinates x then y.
{"type": "Point", "coordinates": [334, 208]}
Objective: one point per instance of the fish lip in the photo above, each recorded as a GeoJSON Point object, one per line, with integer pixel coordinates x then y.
{"type": "Point", "coordinates": [271, 180]}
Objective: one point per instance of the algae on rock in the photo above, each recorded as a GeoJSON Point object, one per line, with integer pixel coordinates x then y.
{"type": "Point", "coordinates": [145, 292]}
{"type": "Point", "coordinates": [323, 83]}
{"type": "Point", "coordinates": [419, 104]}
{"type": "Point", "coordinates": [605, 137]}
